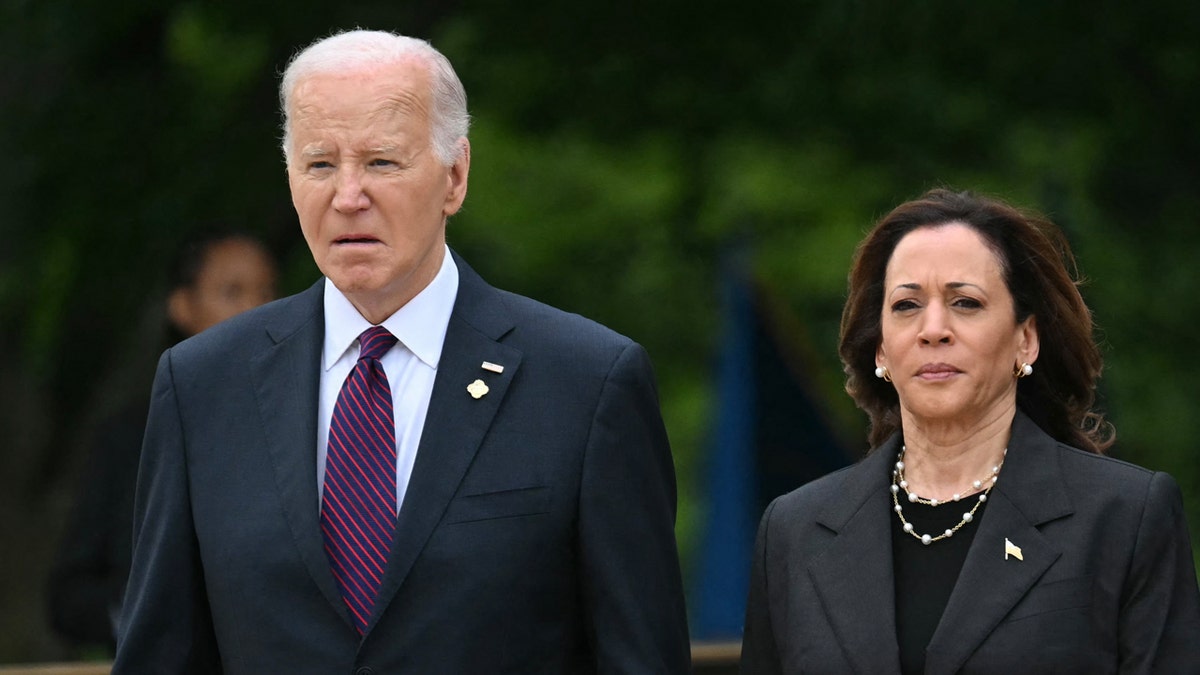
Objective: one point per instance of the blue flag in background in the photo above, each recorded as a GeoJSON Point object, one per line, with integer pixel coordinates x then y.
{"type": "Point", "coordinates": [769, 437]}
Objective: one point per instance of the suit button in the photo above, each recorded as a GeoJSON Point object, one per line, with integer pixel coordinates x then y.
{"type": "Point", "coordinates": [364, 671]}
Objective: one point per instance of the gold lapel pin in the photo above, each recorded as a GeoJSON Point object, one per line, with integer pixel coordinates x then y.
{"type": "Point", "coordinates": [477, 389]}
{"type": "Point", "coordinates": [492, 367]}
{"type": "Point", "coordinates": [1012, 549]}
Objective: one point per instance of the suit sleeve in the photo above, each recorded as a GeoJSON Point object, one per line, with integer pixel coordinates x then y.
{"type": "Point", "coordinates": [631, 585]}
{"type": "Point", "coordinates": [1160, 606]}
{"type": "Point", "coordinates": [759, 653]}
{"type": "Point", "coordinates": [165, 626]}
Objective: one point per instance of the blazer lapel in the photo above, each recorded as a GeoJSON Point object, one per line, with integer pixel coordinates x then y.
{"type": "Point", "coordinates": [286, 377]}
{"type": "Point", "coordinates": [854, 578]}
{"type": "Point", "coordinates": [1029, 493]}
{"type": "Point", "coordinates": [456, 422]}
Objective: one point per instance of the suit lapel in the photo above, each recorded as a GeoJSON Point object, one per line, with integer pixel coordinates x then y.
{"type": "Point", "coordinates": [1030, 492]}
{"type": "Point", "coordinates": [456, 422]}
{"type": "Point", "coordinates": [286, 377]}
{"type": "Point", "coordinates": [854, 577]}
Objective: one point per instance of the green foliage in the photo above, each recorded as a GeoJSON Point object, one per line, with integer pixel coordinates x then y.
{"type": "Point", "coordinates": [618, 153]}
{"type": "Point", "coordinates": [217, 62]}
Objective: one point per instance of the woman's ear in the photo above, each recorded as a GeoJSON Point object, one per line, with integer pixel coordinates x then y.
{"type": "Point", "coordinates": [1028, 344]}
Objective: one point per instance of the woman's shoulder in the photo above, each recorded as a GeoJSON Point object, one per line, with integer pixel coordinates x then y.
{"type": "Point", "coordinates": [801, 523]}
{"type": "Point", "coordinates": [830, 494]}
{"type": "Point", "coordinates": [1110, 479]}
{"type": "Point", "coordinates": [816, 491]}
{"type": "Point", "coordinates": [1095, 466]}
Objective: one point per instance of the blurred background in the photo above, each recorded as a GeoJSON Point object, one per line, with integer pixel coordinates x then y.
{"type": "Point", "coordinates": [693, 174]}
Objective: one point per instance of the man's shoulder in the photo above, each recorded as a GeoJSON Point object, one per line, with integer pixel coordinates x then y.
{"type": "Point", "coordinates": [531, 325]}
{"type": "Point", "coordinates": [478, 300]}
{"type": "Point", "coordinates": [256, 328]}
{"type": "Point", "coordinates": [538, 321]}
{"type": "Point", "coordinates": [563, 344]}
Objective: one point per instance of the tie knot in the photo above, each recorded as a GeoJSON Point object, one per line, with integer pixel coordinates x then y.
{"type": "Point", "coordinates": [374, 342]}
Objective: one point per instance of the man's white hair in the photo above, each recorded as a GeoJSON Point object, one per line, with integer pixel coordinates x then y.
{"type": "Point", "coordinates": [348, 50]}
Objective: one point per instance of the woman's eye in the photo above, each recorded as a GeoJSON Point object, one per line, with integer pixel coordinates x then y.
{"type": "Point", "coordinates": [968, 303]}
{"type": "Point", "coordinates": [903, 305]}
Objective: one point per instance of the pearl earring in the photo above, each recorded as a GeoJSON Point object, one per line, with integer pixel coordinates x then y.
{"type": "Point", "coordinates": [1024, 370]}
{"type": "Point", "coordinates": [882, 373]}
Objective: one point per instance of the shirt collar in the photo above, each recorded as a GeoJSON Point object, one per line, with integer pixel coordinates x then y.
{"type": "Point", "coordinates": [420, 325]}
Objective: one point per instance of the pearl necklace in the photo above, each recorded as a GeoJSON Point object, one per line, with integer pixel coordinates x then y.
{"type": "Point", "coordinates": [899, 483]}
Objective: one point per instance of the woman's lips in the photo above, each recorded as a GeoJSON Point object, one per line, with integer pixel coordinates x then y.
{"type": "Point", "coordinates": [937, 371]}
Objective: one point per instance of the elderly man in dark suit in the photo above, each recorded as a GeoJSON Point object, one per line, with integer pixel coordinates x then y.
{"type": "Point", "coordinates": [401, 469]}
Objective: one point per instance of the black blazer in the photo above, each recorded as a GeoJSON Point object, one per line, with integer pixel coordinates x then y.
{"type": "Point", "coordinates": [1107, 583]}
{"type": "Point", "coordinates": [536, 534]}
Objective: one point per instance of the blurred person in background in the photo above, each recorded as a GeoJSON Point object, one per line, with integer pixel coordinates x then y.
{"type": "Point", "coordinates": [213, 277]}
{"type": "Point", "coordinates": [986, 531]}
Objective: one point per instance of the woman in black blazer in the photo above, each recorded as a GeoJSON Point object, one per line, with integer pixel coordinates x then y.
{"type": "Point", "coordinates": [985, 533]}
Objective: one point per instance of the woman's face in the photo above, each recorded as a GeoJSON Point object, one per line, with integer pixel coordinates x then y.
{"type": "Point", "coordinates": [950, 338]}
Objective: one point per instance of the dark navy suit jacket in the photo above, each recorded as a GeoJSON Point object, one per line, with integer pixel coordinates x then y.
{"type": "Point", "coordinates": [1106, 584]}
{"type": "Point", "coordinates": [536, 534]}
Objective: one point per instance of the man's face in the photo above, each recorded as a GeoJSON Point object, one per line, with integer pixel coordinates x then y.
{"type": "Point", "coordinates": [370, 193]}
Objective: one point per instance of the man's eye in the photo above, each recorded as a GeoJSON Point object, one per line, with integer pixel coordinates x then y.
{"type": "Point", "coordinates": [382, 162]}
{"type": "Point", "coordinates": [315, 166]}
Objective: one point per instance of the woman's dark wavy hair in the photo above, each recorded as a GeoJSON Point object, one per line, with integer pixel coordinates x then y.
{"type": "Point", "coordinates": [1041, 275]}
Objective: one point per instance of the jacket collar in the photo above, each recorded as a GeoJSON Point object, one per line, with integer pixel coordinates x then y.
{"type": "Point", "coordinates": [1030, 493]}
{"type": "Point", "coordinates": [457, 420]}
{"type": "Point", "coordinates": [854, 577]}
{"type": "Point", "coordinates": [286, 379]}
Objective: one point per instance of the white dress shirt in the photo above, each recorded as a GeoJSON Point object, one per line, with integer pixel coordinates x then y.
{"type": "Point", "coordinates": [420, 328]}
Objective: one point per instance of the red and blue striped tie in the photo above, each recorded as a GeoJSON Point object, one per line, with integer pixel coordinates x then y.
{"type": "Point", "coordinates": [358, 508]}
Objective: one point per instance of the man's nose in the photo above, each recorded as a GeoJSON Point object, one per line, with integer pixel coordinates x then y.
{"type": "Point", "coordinates": [349, 195]}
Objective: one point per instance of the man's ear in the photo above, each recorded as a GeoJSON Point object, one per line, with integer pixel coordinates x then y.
{"type": "Point", "coordinates": [456, 190]}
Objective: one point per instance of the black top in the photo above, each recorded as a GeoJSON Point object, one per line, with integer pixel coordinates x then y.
{"type": "Point", "coordinates": [87, 579]}
{"type": "Point", "coordinates": [925, 575]}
